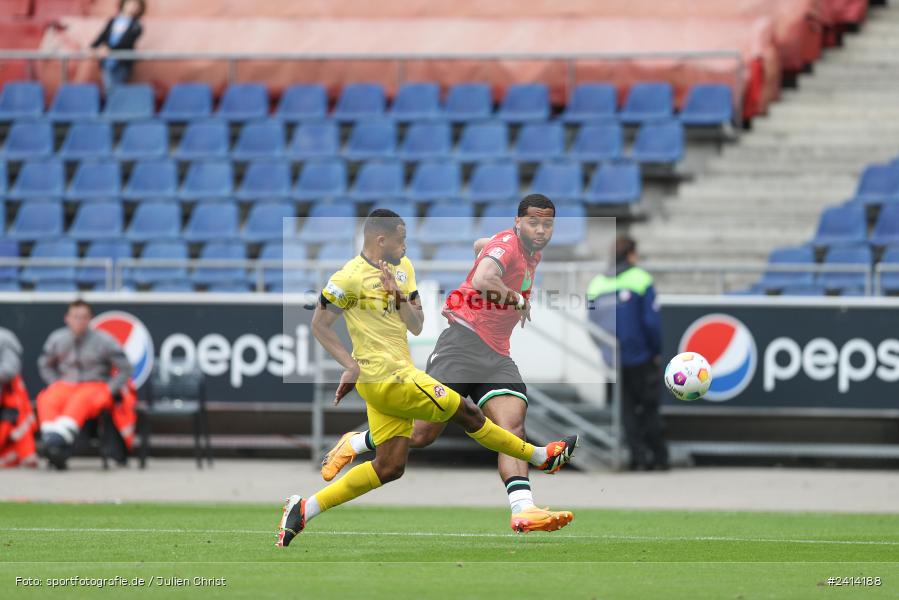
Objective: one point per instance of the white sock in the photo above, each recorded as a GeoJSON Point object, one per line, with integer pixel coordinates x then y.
{"type": "Point", "coordinates": [360, 443]}
{"type": "Point", "coordinates": [312, 508]}
{"type": "Point", "coordinates": [520, 496]}
{"type": "Point", "coordinates": [539, 456]}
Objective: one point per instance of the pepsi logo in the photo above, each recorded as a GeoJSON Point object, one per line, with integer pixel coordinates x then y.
{"type": "Point", "coordinates": [134, 338]}
{"type": "Point", "coordinates": [730, 349]}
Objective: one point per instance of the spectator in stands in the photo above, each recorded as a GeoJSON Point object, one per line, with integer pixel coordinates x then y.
{"type": "Point", "coordinates": [625, 305]}
{"type": "Point", "coordinates": [86, 373]}
{"type": "Point", "coordinates": [17, 423]}
{"type": "Point", "coordinates": [121, 33]}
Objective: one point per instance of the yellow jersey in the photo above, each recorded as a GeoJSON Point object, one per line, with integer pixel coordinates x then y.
{"type": "Point", "coordinates": [378, 333]}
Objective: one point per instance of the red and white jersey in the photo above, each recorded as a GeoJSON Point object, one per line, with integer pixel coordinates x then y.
{"type": "Point", "coordinates": [494, 322]}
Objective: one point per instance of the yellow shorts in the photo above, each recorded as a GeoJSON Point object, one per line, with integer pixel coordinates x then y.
{"type": "Point", "coordinates": [401, 398]}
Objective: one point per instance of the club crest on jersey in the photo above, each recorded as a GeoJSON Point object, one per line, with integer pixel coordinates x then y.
{"type": "Point", "coordinates": [496, 252]}
{"type": "Point", "coordinates": [507, 237]}
{"type": "Point", "coordinates": [400, 276]}
{"type": "Point", "coordinates": [439, 391]}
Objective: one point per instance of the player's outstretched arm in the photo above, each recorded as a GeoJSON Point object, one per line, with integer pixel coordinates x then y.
{"type": "Point", "coordinates": [322, 328]}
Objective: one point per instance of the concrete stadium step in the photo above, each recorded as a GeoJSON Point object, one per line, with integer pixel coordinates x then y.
{"type": "Point", "coordinates": [830, 152]}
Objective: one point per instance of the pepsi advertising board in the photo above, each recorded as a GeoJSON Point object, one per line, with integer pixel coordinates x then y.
{"type": "Point", "coordinates": [768, 353]}
{"type": "Point", "coordinates": [250, 351]}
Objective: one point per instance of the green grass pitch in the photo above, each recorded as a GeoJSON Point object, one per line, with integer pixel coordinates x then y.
{"type": "Point", "coordinates": [393, 553]}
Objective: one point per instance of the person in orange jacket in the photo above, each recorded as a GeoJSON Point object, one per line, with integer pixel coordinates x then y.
{"type": "Point", "coordinates": [17, 422]}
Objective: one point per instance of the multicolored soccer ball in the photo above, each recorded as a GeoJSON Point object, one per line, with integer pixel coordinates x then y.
{"type": "Point", "coordinates": [688, 376]}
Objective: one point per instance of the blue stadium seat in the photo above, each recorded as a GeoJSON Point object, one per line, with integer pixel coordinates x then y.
{"type": "Point", "coordinates": [450, 279]}
{"type": "Point", "coordinates": [426, 141]}
{"type": "Point", "coordinates": [107, 249]}
{"type": "Point", "coordinates": [591, 102]}
{"type": "Point", "coordinates": [152, 179]}
{"type": "Point", "coordinates": [417, 102]}
{"type": "Point", "coordinates": [414, 251]}
{"type": "Point", "coordinates": [143, 141]}
{"type": "Point", "coordinates": [75, 102]}
{"type": "Point", "coordinates": [177, 285]}
{"type": "Point", "coordinates": [708, 104]}
{"type": "Point", "coordinates": [221, 250]}
{"type": "Point", "coordinates": [186, 102]}
{"type": "Point", "coordinates": [37, 220]}
{"type": "Point", "coordinates": [659, 142]}
{"type": "Point", "coordinates": [48, 249]}
{"type": "Point", "coordinates": [889, 278]}
{"type": "Point", "coordinates": [56, 285]}
{"type": "Point", "coordinates": [842, 225]}
{"type": "Point", "coordinates": [811, 289]}
{"type": "Point", "coordinates": [777, 279]}
{"type": "Point", "coordinates": [846, 255]}
{"type": "Point", "coordinates": [537, 142]}
{"type": "Point", "coordinates": [378, 181]}
{"type": "Point", "coordinates": [878, 183]}
{"type": "Point", "coordinates": [303, 102]}
{"type": "Point", "coordinates": [435, 181]}
{"type": "Point", "coordinates": [96, 180]}
{"type": "Point", "coordinates": [317, 139]}
{"type": "Point", "coordinates": [360, 101]}
{"type": "Point", "coordinates": [447, 223]}
{"type": "Point", "coordinates": [204, 140]}
{"type": "Point", "coordinates": [97, 221]}
{"type": "Point", "coordinates": [260, 139]}
{"type": "Point", "coordinates": [615, 183]}
{"type": "Point", "coordinates": [244, 102]}
{"type": "Point", "coordinates": [21, 100]}
{"type": "Point", "coordinates": [559, 181]}
{"type": "Point", "coordinates": [289, 277]}
{"type": "Point", "coordinates": [264, 221]}
{"type": "Point", "coordinates": [341, 251]}
{"type": "Point", "coordinates": [493, 182]}
{"type": "Point", "coordinates": [161, 250]}
{"type": "Point", "coordinates": [570, 227]}
{"type": "Point", "coordinates": [481, 141]}
{"type": "Point", "coordinates": [597, 142]}
{"type": "Point", "coordinates": [525, 102]}
{"type": "Point", "coordinates": [329, 223]}
{"type": "Point", "coordinates": [10, 285]}
{"type": "Point", "coordinates": [469, 102]}
{"type": "Point", "coordinates": [87, 140]}
{"type": "Point", "coordinates": [886, 229]}
{"type": "Point", "coordinates": [41, 180]}
{"type": "Point", "coordinates": [28, 140]}
{"type": "Point", "coordinates": [372, 139]}
{"type": "Point", "coordinates": [8, 249]}
{"type": "Point", "coordinates": [230, 287]}
{"type": "Point", "coordinates": [130, 102]}
{"type": "Point", "coordinates": [647, 102]}
{"type": "Point", "coordinates": [155, 221]}
{"type": "Point", "coordinates": [208, 180]}
{"type": "Point", "coordinates": [496, 217]}
{"type": "Point", "coordinates": [212, 221]}
{"type": "Point", "coordinates": [3, 185]}
{"type": "Point", "coordinates": [320, 179]}
{"type": "Point", "coordinates": [265, 180]}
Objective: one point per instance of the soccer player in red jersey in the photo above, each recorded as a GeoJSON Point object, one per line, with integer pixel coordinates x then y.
{"type": "Point", "coordinates": [472, 354]}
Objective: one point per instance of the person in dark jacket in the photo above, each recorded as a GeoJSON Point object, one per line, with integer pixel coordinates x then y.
{"type": "Point", "coordinates": [625, 305]}
{"type": "Point", "coordinates": [121, 33]}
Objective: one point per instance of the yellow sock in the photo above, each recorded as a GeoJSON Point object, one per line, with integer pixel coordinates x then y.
{"type": "Point", "coordinates": [358, 480]}
{"type": "Point", "coordinates": [496, 438]}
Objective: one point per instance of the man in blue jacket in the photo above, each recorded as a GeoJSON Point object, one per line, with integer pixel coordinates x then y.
{"type": "Point", "coordinates": [638, 328]}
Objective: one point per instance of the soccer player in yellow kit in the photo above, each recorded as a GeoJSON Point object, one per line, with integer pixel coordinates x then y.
{"type": "Point", "coordinates": [376, 294]}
